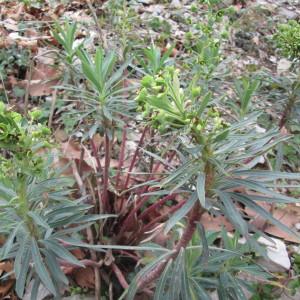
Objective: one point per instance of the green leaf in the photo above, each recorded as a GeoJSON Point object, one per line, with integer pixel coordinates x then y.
{"type": "Point", "coordinates": [207, 98]}
{"type": "Point", "coordinates": [205, 250]}
{"type": "Point", "coordinates": [23, 247]}
{"type": "Point", "coordinates": [61, 252]}
{"type": "Point", "coordinates": [265, 214]}
{"type": "Point", "coordinates": [40, 268]}
{"type": "Point", "coordinates": [77, 243]}
{"type": "Point", "coordinates": [267, 175]}
{"type": "Point", "coordinates": [54, 267]}
{"type": "Point", "coordinates": [200, 294]}
{"type": "Point", "coordinates": [38, 220]}
{"type": "Point", "coordinates": [10, 240]}
{"type": "Point", "coordinates": [181, 212]}
{"type": "Point", "coordinates": [200, 186]}
{"type": "Point", "coordinates": [161, 285]}
{"type": "Point", "coordinates": [35, 289]}
{"type": "Point", "coordinates": [233, 214]}
{"type": "Point", "coordinates": [257, 186]}
{"type": "Point", "coordinates": [175, 281]}
{"type": "Point", "coordinates": [23, 270]}
{"type": "Point", "coordinates": [134, 284]}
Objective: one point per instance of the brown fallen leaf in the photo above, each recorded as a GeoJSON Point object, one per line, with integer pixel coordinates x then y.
{"type": "Point", "coordinates": [6, 285]}
{"type": "Point", "coordinates": [215, 223]}
{"type": "Point", "coordinates": [85, 277]}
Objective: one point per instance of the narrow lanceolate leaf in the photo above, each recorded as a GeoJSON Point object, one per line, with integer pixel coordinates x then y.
{"type": "Point", "coordinates": [54, 267]}
{"type": "Point", "coordinates": [40, 268]}
{"type": "Point", "coordinates": [134, 284]}
{"type": "Point", "coordinates": [61, 252]}
{"type": "Point", "coordinates": [265, 214]}
{"type": "Point", "coordinates": [233, 214]}
{"type": "Point", "coordinates": [23, 270]}
{"type": "Point", "coordinates": [38, 220]}
{"type": "Point", "coordinates": [35, 289]}
{"type": "Point", "coordinates": [175, 281]}
{"type": "Point", "coordinates": [185, 283]}
{"type": "Point", "coordinates": [6, 192]}
{"type": "Point", "coordinates": [205, 250]}
{"type": "Point", "coordinates": [23, 247]}
{"type": "Point", "coordinates": [259, 187]}
{"type": "Point", "coordinates": [200, 293]}
{"type": "Point", "coordinates": [161, 285]}
{"type": "Point", "coordinates": [268, 175]}
{"type": "Point", "coordinates": [201, 188]}
{"type": "Point", "coordinates": [9, 242]}
{"type": "Point", "coordinates": [77, 243]}
{"type": "Point", "coordinates": [180, 213]}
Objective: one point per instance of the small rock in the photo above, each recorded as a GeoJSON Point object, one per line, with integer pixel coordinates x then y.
{"type": "Point", "coordinates": [277, 253]}
{"type": "Point", "coordinates": [147, 2]}
{"type": "Point", "coordinates": [288, 14]}
{"type": "Point", "coordinates": [175, 4]}
{"type": "Point", "coordinates": [283, 66]}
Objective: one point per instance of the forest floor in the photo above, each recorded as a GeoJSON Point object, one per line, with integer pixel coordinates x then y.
{"type": "Point", "coordinates": [32, 72]}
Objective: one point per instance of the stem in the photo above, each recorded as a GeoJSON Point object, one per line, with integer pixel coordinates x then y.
{"type": "Point", "coordinates": [154, 274]}
{"type": "Point", "coordinates": [193, 218]}
{"type": "Point", "coordinates": [120, 276]}
{"type": "Point", "coordinates": [156, 205]}
{"type": "Point", "coordinates": [163, 216]}
{"type": "Point", "coordinates": [98, 28]}
{"type": "Point", "coordinates": [106, 171]}
{"type": "Point", "coordinates": [288, 110]}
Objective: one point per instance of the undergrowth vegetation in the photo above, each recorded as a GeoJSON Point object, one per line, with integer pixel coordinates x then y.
{"type": "Point", "coordinates": [159, 145]}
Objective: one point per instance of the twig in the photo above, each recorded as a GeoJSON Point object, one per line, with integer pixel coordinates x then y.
{"type": "Point", "coordinates": [53, 102]}
{"type": "Point", "coordinates": [96, 268]}
{"type": "Point", "coordinates": [6, 96]}
{"type": "Point", "coordinates": [26, 99]}
{"type": "Point", "coordinates": [156, 205]}
{"type": "Point", "coordinates": [120, 276]}
{"type": "Point", "coordinates": [98, 28]}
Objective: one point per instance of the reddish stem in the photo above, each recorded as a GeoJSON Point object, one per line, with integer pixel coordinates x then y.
{"type": "Point", "coordinates": [162, 217]}
{"type": "Point", "coordinates": [156, 205]}
{"type": "Point", "coordinates": [120, 276]}
{"type": "Point", "coordinates": [194, 217]}
{"type": "Point", "coordinates": [140, 201]}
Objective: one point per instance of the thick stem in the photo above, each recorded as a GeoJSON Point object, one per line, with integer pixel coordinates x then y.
{"type": "Point", "coordinates": [194, 217]}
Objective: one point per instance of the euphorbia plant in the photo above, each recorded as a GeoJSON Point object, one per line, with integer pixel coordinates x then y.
{"type": "Point", "coordinates": [216, 169]}
{"type": "Point", "coordinates": [36, 207]}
